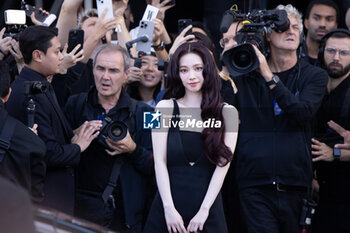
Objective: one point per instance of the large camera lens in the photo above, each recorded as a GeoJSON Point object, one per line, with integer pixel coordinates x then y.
{"type": "Point", "coordinates": [117, 130]}
{"type": "Point", "coordinates": [241, 59]}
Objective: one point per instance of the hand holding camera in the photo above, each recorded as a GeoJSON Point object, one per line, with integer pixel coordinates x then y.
{"type": "Point", "coordinates": [126, 145]}
{"type": "Point", "coordinates": [264, 68]}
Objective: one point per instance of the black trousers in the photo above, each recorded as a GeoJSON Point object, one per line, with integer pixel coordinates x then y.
{"type": "Point", "coordinates": [267, 210]}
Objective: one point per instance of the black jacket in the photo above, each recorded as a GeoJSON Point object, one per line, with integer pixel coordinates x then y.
{"type": "Point", "coordinates": [277, 148]}
{"type": "Point", "coordinates": [55, 131]}
{"type": "Point", "coordinates": [96, 165]}
{"type": "Point", "coordinates": [62, 83]}
{"type": "Point", "coordinates": [24, 162]}
{"type": "Point", "coordinates": [334, 177]}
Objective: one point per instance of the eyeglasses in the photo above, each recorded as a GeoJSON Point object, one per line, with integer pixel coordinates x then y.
{"type": "Point", "coordinates": [225, 40]}
{"type": "Point", "coordinates": [342, 53]}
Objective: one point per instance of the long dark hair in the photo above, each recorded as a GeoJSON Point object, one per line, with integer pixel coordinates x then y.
{"type": "Point", "coordinates": [216, 150]}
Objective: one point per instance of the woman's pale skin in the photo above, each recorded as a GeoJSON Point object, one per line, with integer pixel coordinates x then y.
{"type": "Point", "coordinates": [191, 74]}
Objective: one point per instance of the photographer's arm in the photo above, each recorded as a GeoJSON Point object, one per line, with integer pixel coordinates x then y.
{"type": "Point", "coordinates": [311, 86]}
{"type": "Point", "coordinates": [264, 68]}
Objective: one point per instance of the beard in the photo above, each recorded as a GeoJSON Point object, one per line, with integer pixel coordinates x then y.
{"type": "Point", "coordinates": [338, 71]}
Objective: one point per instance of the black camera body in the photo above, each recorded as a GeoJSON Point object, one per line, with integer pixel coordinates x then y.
{"type": "Point", "coordinates": [115, 130]}
{"type": "Point", "coordinates": [32, 88]}
{"type": "Point", "coordinates": [242, 58]}
{"type": "Point", "coordinates": [14, 31]}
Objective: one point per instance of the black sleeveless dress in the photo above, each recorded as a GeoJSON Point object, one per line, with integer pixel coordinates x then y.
{"type": "Point", "coordinates": [188, 182]}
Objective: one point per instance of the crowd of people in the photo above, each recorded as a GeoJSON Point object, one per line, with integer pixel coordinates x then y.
{"type": "Point", "coordinates": [223, 151]}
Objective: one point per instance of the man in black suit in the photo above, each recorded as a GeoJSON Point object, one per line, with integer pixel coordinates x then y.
{"type": "Point", "coordinates": [41, 52]}
{"type": "Point", "coordinates": [23, 162]}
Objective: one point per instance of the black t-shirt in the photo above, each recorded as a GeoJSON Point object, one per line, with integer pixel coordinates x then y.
{"type": "Point", "coordinates": [313, 61]}
{"type": "Point", "coordinates": [332, 109]}
{"type": "Point", "coordinates": [289, 77]}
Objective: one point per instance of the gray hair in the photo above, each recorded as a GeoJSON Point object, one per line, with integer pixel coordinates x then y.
{"type": "Point", "coordinates": [293, 12]}
{"type": "Point", "coordinates": [84, 16]}
{"type": "Point", "coordinates": [114, 48]}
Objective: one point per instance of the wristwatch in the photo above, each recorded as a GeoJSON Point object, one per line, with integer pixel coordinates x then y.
{"type": "Point", "coordinates": [275, 79]}
{"type": "Point", "coordinates": [159, 47]}
{"type": "Point", "coordinates": [336, 154]}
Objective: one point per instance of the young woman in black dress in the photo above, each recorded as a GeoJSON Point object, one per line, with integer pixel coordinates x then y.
{"type": "Point", "coordinates": [191, 160]}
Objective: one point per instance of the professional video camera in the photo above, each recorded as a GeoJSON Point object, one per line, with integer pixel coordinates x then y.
{"type": "Point", "coordinates": [115, 130]}
{"type": "Point", "coordinates": [242, 58]}
{"type": "Point", "coordinates": [32, 88]}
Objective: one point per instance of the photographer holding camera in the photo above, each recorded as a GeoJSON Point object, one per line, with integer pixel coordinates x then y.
{"type": "Point", "coordinates": [276, 104]}
{"type": "Point", "coordinates": [112, 174]}
{"type": "Point", "coordinates": [41, 52]}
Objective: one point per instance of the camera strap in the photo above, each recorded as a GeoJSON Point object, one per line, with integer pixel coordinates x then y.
{"type": "Point", "coordinates": [8, 129]}
{"type": "Point", "coordinates": [118, 162]}
{"type": "Point", "coordinates": [112, 182]}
